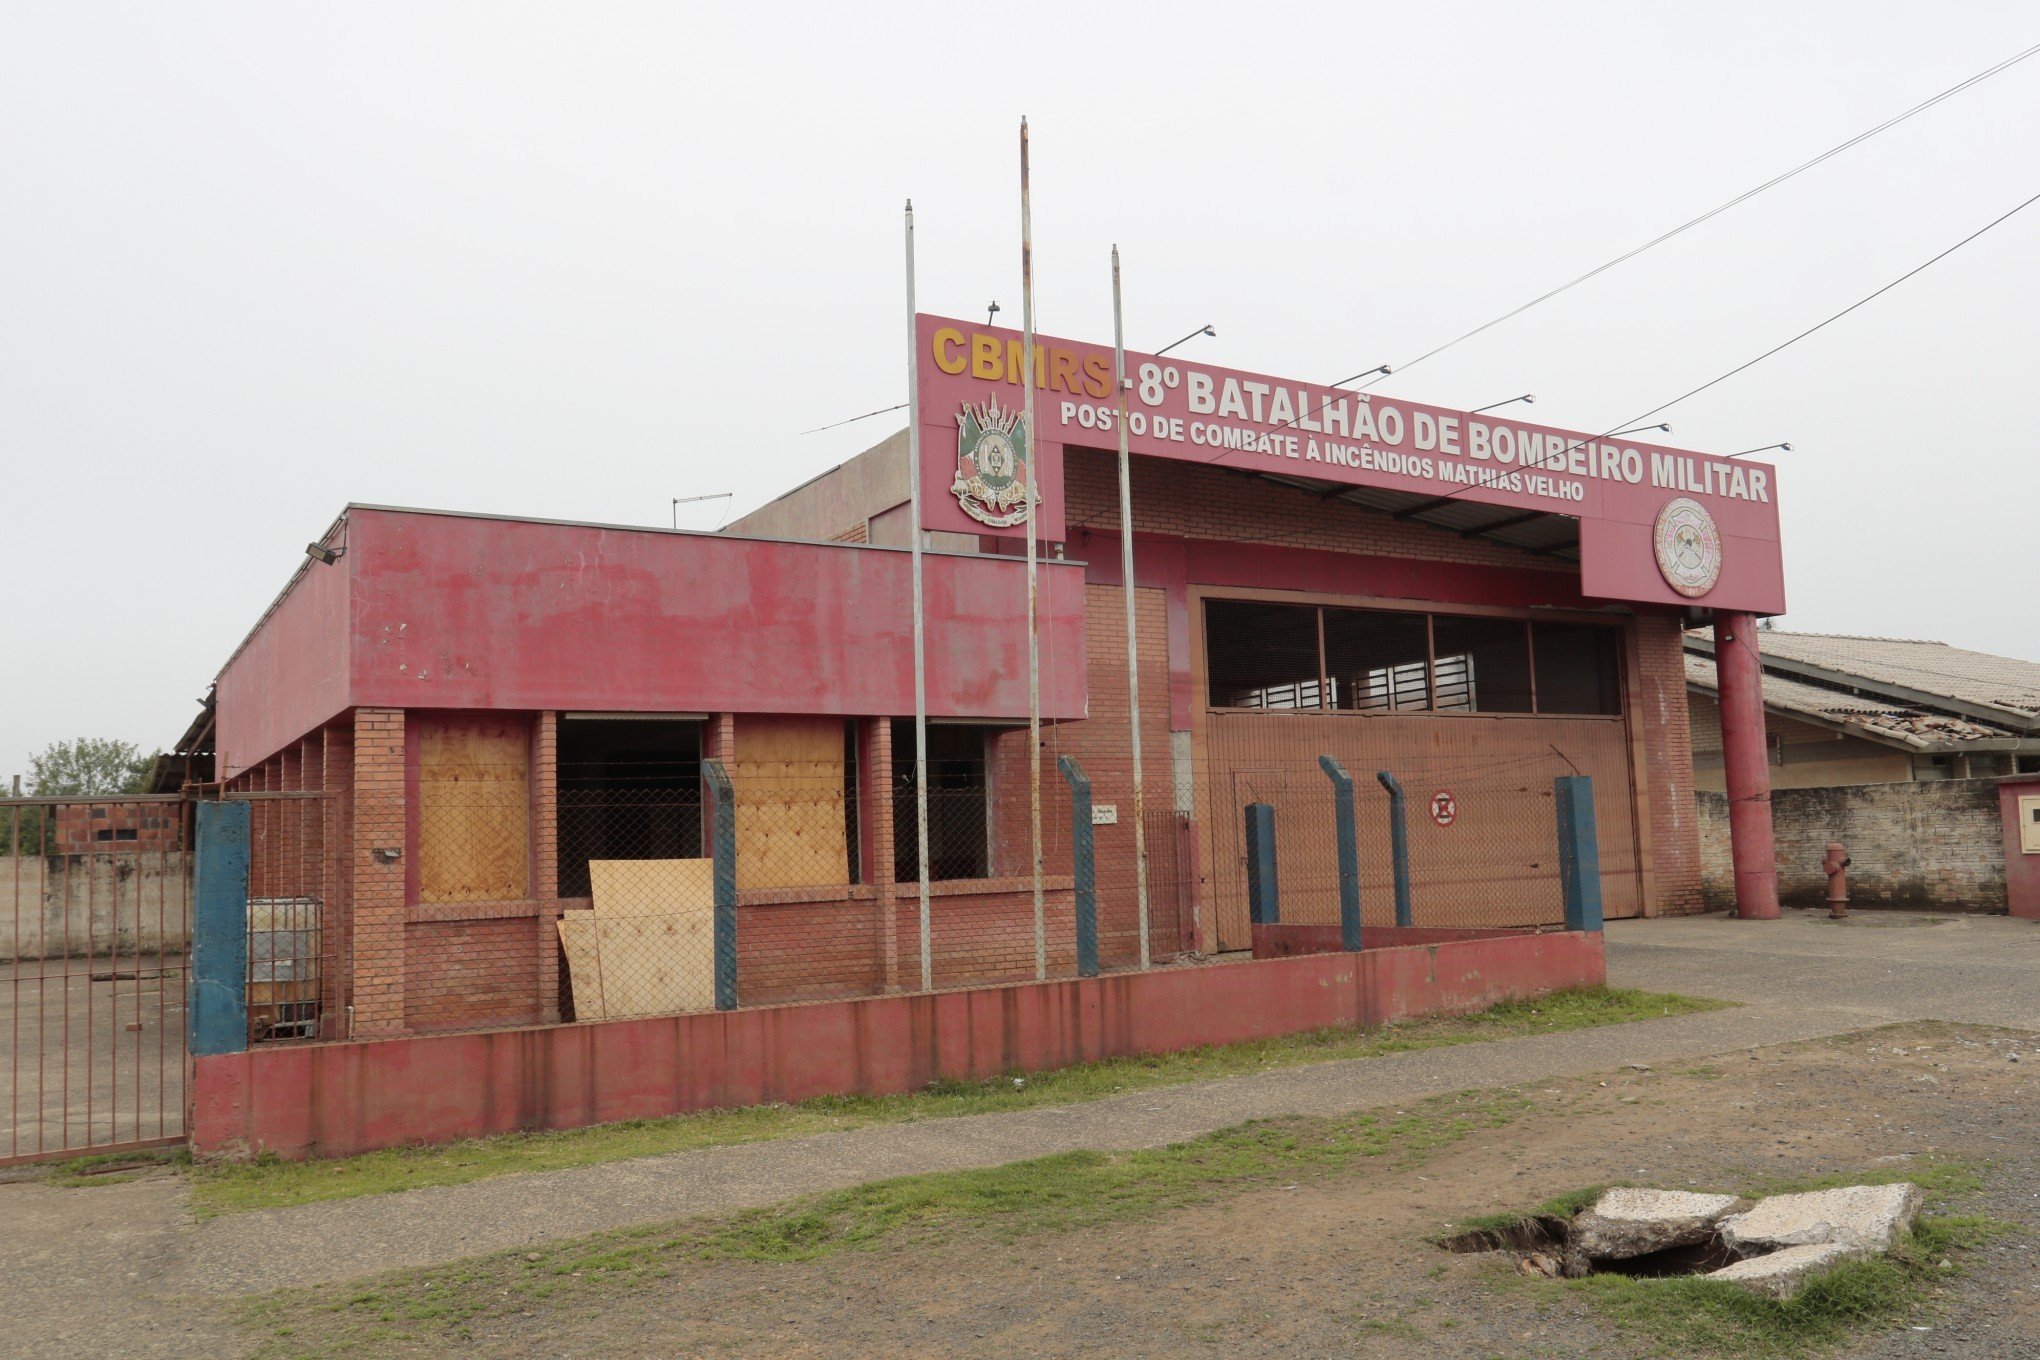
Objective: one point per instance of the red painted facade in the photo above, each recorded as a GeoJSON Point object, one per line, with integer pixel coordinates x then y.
{"type": "Point", "coordinates": [428, 610]}
{"type": "Point", "coordinates": [2022, 870]}
{"type": "Point", "coordinates": [343, 1098]}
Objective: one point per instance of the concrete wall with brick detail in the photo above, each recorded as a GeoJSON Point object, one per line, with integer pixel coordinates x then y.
{"type": "Point", "coordinates": [1936, 845]}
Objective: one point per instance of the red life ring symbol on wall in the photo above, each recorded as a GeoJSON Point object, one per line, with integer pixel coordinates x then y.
{"type": "Point", "coordinates": [1444, 807]}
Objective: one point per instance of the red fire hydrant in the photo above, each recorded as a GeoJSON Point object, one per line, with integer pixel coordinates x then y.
{"type": "Point", "coordinates": [1836, 866]}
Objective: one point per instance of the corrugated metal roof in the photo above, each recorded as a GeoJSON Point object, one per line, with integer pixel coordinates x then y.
{"type": "Point", "coordinates": [1878, 717]}
{"type": "Point", "coordinates": [1928, 669]}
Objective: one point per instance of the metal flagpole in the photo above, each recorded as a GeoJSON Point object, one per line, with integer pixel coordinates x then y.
{"type": "Point", "coordinates": [1033, 491]}
{"type": "Point", "coordinates": [1140, 863]}
{"type": "Point", "coordinates": [920, 625]}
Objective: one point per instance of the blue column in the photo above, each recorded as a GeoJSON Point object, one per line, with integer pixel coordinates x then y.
{"type": "Point", "coordinates": [1399, 847]}
{"type": "Point", "coordinates": [1579, 851]}
{"type": "Point", "coordinates": [219, 931]}
{"type": "Point", "coordinates": [1084, 858]}
{"type": "Point", "coordinates": [1348, 835]}
{"type": "Point", "coordinates": [722, 802]}
{"type": "Point", "coordinates": [1264, 906]}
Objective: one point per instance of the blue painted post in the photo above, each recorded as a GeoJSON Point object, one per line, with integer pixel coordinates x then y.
{"type": "Point", "coordinates": [219, 931]}
{"type": "Point", "coordinates": [1264, 905]}
{"type": "Point", "coordinates": [1347, 832]}
{"type": "Point", "coordinates": [1399, 847]}
{"type": "Point", "coordinates": [1579, 851]}
{"type": "Point", "coordinates": [723, 828]}
{"type": "Point", "coordinates": [1085, 860]}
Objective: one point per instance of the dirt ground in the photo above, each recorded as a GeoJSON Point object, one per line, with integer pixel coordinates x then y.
{"type": "Point", "coordinates": [1341, 1262]}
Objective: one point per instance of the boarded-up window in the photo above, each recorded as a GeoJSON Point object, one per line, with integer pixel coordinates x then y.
{"type": "Point", "coordinates": [790, 777]}
{"type": "Point", "coordinates": [473, 796]}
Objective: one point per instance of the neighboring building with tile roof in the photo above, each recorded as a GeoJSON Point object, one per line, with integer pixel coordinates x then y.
{"type": "Point", "coordinates": [1862, 710]}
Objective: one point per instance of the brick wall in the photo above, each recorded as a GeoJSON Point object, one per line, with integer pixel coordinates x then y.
{"type": "Point", "coordinates": [379, 927]}
{"type": "Point", "coordinates": [463, 974]}
{"type": "Point", "coordinates": [1937, 845]}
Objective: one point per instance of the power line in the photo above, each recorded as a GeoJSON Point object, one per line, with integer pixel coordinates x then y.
{"type": "Point", "coordinates": [1714, 212]}
{"type": "Point", "coordinates": [1752, 363]}
{"type": "Point", "coordinates": [1385, 370]}
{"type": "Point", "coordinates": [854, 419]}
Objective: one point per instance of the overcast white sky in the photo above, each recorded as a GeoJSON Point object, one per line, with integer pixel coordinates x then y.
{"type": "Point", "coordinates": [259, 260]}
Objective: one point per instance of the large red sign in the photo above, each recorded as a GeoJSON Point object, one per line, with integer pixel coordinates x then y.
{"type": "Point", "coordinates": [1716, 548]}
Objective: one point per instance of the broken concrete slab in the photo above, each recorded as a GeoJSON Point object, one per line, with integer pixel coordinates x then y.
{"type": "Point", "coordinates": [1864, 1217]}
{"type": "Point", "coordinates": [1781, 1273]}
{"type": "Point", "coordinates": [1627, 1223]}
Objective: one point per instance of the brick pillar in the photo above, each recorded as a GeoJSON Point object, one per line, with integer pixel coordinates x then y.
{"type": "Point", "coordinates": [875, 852]}
{"type": "Point", "coordinates": [379, 885]}
{"type": "Point", "coordinates": [545, 866]}
{"type": "Point", "coordinates": [336, 956]}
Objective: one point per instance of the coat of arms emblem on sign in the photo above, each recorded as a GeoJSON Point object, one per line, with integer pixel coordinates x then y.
{"type": "Point", "coordinates": [993, 483]}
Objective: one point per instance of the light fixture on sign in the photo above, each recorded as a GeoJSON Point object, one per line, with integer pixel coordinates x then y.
{"type": "Point", "coordinates": [1201, 330]}
{"type": "Point", "coordinates": [1528, 399]}
{"type": "Point", "coordinates": [1784, 448]}
{"type": "Point", "coordinates": [1639, 429]}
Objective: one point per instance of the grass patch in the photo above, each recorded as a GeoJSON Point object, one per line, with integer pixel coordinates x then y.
{"type": "Point", "coordinates": [229, 1187]}
{"type": "Point", "coordinates": [1692, 1316]}
{"type": "Point", "coordinates": [440, 1307]}
{"type": "Point", "coordinates": [114, 1168]}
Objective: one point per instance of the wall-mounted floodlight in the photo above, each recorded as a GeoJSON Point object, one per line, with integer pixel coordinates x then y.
{"type": "Point", "coordinates": [1201, 330]}
{"type": "Point", "coordinates": [1528, 399]}
{"type": "Point", "coordinates": [324, 555]}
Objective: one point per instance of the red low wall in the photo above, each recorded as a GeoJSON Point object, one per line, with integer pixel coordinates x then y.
{"type": "Point", "coordinates": [1282, 941]}
{"type": "Point", "coordinates": [334, 1099]}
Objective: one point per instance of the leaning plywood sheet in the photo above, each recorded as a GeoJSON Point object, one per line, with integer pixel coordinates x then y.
{"type": "Point", "coordinates": [789, 776]}
{"type": "Point", "coordinates": [657, 965]}
{"type": "Point", "coordinates": [584, 964]}
{"type": "Point", "coordinates": [651, 887]}
{"type": "Point", "coordinates": [583, 946]}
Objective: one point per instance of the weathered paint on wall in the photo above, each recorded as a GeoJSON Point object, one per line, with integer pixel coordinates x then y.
{"type": "Point", "coordinates": [446, 611]}
{"type": "Point", "coordinates": [342, 1098]}
{"type": "Point", "coordinates": [1935, 845]}
{"type": "Point", "coordinates": [291, 674]}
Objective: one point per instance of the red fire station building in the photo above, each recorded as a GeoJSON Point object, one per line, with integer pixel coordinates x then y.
{"type": "Point", "coordinates": [1469, 602]}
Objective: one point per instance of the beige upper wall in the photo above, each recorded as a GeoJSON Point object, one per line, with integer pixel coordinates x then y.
{"type": "Point", "coordinates": [838, 501]}
{"type": "Point", "coordinates": [1803, 755]}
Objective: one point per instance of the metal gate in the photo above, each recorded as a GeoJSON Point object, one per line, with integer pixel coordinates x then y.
{"type": "Point", "coordinates": [1481, 822]}
{"type": "Point", "coordinates": [95, 931]}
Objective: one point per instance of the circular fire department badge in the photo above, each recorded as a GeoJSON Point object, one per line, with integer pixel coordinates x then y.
{"type": "Point", "coordinates": [1688, 547]}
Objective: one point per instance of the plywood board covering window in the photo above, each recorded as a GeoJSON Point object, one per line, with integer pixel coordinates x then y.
{"type": "Point", "coordinates": [473, 801]}
{"type": "Point", "coordinates": [790, 781]}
